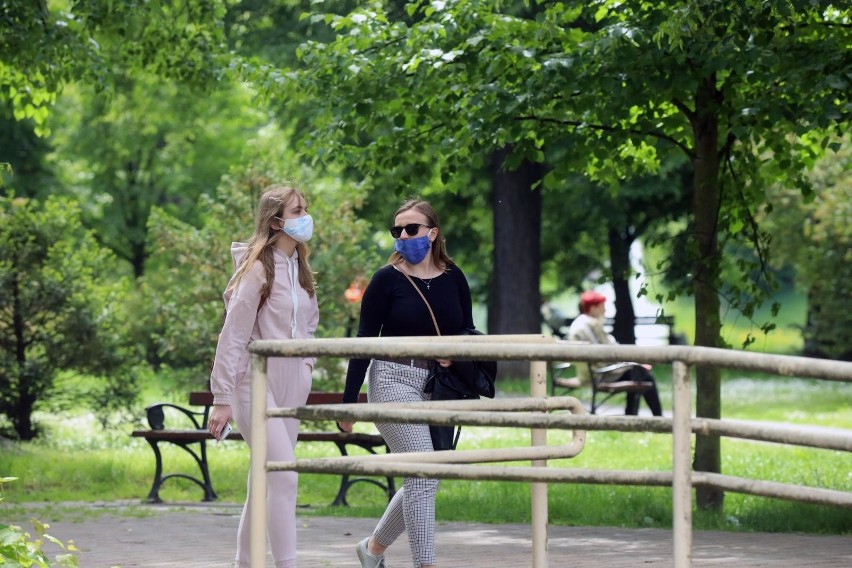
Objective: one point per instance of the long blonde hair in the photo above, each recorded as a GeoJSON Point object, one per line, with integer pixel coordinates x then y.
{"type": "Point", "coordinates": [439, 246]}
{"type": "Point", "coordinates": [273, 201]}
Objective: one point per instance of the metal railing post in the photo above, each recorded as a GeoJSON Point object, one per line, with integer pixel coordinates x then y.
{"type": "Point", "coordinates": [681, 465]}
{"type": "Point", "coordinates": [257, 471]}
{"type": "Point", "coordinates": [538, 491]}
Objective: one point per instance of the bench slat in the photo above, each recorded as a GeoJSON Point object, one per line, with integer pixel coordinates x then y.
{"type": "Point", "coordinates": [356, 438]}
{"type": "Point", "coordinates": [205, 398]}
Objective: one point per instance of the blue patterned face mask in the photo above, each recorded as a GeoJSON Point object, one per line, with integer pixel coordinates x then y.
{"type": "Point", "coordinates": [413, 250]}
{"type": "Point", "coordinates": [300, 228]}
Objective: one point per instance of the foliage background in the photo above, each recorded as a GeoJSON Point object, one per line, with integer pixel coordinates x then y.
{"type": "Point", "coordinates": [62, 309]}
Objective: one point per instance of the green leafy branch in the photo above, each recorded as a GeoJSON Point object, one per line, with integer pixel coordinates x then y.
{"type": "Point", "coordinates": [19, 549]}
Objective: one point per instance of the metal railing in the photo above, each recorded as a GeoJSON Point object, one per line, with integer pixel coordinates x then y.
{"type": "Point", "coordinates": [530, 413]}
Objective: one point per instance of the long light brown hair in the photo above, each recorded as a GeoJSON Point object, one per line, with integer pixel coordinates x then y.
{"type": "Point", "coordinates": [273, 201]}
{"type": "Point", "coordinates": [439, 246]}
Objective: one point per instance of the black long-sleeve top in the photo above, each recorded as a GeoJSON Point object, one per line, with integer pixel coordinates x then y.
{"type": "Point", "coordinates": [391, 307]}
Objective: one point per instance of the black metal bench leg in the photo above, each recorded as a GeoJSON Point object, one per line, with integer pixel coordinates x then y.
{"type": "Point", "coordinates": [205, 482]}
{"type": "Point", "coordinates": [154, 494]}
{"type": "Point", "coordinates": [209, 494]}
{"type": "Point", "coordinates": [346, 481]}
{"type": "Point", "coordinates": [391, 488]}
{"type": "Point", "coordinates": [340, 498]}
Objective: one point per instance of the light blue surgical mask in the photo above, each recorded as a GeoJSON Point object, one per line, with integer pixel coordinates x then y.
{"type": "Point", "coordinates": [300, 228]}
{"type": "Point", "coordinates": [413, 250]}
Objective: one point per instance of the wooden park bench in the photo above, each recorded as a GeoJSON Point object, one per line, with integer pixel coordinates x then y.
{"type": "Point", "coordinates": [606, 382]}
{"type": "Point", "coordinates": [193, 439]}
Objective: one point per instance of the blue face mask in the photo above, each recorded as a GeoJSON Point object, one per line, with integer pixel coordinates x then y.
{"type": "Point", "coordinates": [413, 250]}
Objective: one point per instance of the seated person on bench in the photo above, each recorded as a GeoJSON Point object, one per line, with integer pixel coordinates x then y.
{"type": "Point", "coordinates": [588, 326]}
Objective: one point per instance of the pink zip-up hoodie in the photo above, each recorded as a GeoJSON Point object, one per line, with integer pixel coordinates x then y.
{"type": "Point", "coordinates": [288, 313]}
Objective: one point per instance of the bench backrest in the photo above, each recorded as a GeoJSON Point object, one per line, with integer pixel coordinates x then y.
{"type": "Point", "coordinates": [205, 398]}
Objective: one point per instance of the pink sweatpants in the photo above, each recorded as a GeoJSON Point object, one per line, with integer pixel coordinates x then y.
{"type": "Point", "coordinates": [289, 385]}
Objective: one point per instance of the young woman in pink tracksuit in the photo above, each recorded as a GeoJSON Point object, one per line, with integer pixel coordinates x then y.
{"type": "Point", "coordinates": [270, 296]}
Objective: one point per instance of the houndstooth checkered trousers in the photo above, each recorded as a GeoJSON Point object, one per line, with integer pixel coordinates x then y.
{"type": "Point", "coordinates": [413, 507]}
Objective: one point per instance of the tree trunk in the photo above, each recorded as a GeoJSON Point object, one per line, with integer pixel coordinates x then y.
{"type": "Point", "coordinates": [812, 347]}
{"type": "Point", "coordinates": [138, 257]}
{"type": "Point", "coordinates": [515, 301]}
{"type": "Point", "coordinates": [706, 277]}
{"type": "Point", "coordinates": [21, 416]}
{"type": "Point", "coordinates": [619, 259]}
{"type": "Point", "coordinates": [18, 403]}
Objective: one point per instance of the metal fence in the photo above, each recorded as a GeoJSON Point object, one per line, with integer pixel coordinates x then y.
{"type": "Point", "coordinates": [533, 413]}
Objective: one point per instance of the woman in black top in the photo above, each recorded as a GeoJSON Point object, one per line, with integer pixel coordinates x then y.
{"type": "Point", "coordinates": [391, 307]}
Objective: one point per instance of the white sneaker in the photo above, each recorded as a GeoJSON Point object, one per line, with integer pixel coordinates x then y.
{"type": "Point", "coordinates": [369, 560]}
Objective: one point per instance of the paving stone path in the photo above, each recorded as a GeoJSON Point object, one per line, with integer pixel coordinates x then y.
{"type": "Point", "coordinates": [203, 535]}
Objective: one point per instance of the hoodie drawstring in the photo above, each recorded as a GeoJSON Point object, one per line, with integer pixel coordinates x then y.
{"type": "Point", "coordinates": [292, 269]}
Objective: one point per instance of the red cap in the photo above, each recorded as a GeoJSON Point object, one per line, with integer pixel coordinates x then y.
{"type": "Point", "coordinates": [590, 298]}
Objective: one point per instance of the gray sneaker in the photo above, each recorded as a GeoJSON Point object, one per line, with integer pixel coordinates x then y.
{"type": "Point", "coordinates": [368, 560]}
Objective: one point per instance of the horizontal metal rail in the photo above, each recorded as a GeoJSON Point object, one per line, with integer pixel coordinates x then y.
{"type": "Point", "coordinates": [495, 347]}
{"type": "Point", "coordinates": [413, 465]}
{"type": "Point", "coordinates": [456, 412]}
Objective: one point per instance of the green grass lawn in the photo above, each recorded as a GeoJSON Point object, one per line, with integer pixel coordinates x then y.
{"type": "Point", "coordinates": [69, 466]}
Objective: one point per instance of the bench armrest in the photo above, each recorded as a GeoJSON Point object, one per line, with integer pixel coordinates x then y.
{"type": "Point", "coordinates": [157, 417]}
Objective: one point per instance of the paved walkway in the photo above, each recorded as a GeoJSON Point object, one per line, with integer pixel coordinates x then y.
{"type": "Point", "coordinates": [203, 535]}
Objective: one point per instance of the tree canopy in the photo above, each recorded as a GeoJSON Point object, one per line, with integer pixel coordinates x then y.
{"type": "Point", "coordinates": [46, 44]}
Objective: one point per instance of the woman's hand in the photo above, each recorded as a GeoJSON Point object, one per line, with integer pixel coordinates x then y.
{"type": "Point", "coordinates": [219, 416]}
{"type": "Point", "coordinates": [444, 362]}
{"type": "Point", "coordinates": [345, 426]}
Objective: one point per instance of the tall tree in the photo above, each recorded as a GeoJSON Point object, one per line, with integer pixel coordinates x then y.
{"type": "Point", "coordinates": [396, 132]}
{"type": "Point", "coordinates": [727, 84]}
{"type": "Point", "coordinates": [60, 307]}
{"type": "Point", "coordinates": [697, 76]}
{"type": "Point", "coordinates": [150, 143]}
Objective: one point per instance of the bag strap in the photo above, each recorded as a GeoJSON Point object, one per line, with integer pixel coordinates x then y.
{"type": "Point", "coordinates": [431, 313]}
{"type": "Point", "coordinates": [438, 330]}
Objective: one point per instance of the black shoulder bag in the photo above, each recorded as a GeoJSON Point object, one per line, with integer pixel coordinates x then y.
{"type": "Point", "coordinates": [460, 381]}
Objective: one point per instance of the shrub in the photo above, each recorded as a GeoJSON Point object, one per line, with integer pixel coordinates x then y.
{"type": "Point", "coordinates": [19, 549]}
